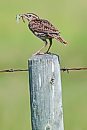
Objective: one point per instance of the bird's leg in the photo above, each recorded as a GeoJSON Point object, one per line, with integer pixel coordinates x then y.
{"type": "Point", "coordinates": [50, 39]}
{"type": "Point", "coordinates": [39, 52]}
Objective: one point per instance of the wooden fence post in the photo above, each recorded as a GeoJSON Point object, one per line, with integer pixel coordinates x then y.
{"type": "Point", "coordinates": [45, 92]}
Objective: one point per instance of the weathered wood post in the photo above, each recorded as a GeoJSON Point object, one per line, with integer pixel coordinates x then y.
{"type": "Point", "coordinates": [45, 92]}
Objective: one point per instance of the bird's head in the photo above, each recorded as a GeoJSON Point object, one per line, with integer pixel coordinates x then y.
{"type": "Point", "coordinates": [27, 16]}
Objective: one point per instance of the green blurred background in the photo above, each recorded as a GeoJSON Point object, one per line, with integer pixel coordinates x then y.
{"type": "Point", "coordinates": [17, 44]}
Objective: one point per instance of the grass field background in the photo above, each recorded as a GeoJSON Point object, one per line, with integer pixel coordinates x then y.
{"type": "Point", "coordinates": [17, 44]}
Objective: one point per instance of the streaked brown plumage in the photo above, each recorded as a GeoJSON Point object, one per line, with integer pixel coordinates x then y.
{"type": "Point", "coordinates": [43, 29]}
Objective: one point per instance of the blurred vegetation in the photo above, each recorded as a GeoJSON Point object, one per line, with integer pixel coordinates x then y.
{"type": "Point", "coordinates": [17, 44]}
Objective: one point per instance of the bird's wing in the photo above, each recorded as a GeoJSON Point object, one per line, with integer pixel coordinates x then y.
{"type": "Point", "coordinates": [42, 26]}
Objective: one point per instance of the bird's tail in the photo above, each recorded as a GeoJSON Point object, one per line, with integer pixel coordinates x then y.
{"type": "Point", "coordinates": [60, 39]}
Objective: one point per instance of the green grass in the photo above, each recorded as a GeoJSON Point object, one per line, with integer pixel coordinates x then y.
{"type": "Point", "coordinates": [17, 45]}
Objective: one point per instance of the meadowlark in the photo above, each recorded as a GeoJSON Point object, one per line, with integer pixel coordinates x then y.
{"type": "Point", "coordinates": [41, 28]}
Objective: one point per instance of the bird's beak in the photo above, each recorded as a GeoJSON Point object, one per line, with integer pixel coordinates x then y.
{"type": "Point", "coordinates": [20, 16]}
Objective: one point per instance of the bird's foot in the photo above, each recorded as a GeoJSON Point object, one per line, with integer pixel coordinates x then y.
{"type": "Point", "coordinates": [38, 53]}
{"type": "Point", "coordinates": [47, 53]}
{"type": "Point", "coordinates": [41, 53]}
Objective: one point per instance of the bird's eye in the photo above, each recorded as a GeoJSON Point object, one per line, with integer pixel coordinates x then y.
{"type": "Point", "coordinates": [29, 15]}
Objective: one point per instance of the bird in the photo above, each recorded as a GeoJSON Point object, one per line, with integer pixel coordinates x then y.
{"type": "Point", "coordinates": [42, 29]}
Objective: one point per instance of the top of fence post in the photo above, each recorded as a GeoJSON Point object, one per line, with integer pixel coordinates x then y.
{"type": "Point", "coordinates": [45, 92]}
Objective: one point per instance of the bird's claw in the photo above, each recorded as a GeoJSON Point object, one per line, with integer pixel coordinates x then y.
{"type": "Point", "coordinates": [41, 53]}
{"type": "Point", "coordinates": [38, 53]}
{"type": "Point", "coordinates": [47, 53]}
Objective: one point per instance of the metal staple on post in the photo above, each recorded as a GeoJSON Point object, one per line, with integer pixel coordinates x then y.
{"type": "Point", "coordinates": [45, 92]}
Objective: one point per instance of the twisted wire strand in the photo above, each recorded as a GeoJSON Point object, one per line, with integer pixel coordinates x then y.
{"type": "Point", "coordinates": [62, 69]}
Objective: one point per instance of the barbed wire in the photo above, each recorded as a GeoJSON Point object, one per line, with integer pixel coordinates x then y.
{"type": "Point", "coordinates": [74, 69]}
{"type": "Point", "coordinates": [13, 70]}
{"type": "Point", "coordinates": [25, 70]}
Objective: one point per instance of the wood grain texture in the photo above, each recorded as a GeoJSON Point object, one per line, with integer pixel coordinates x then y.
{"type": "Point", "coordinates": [45, 92]}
